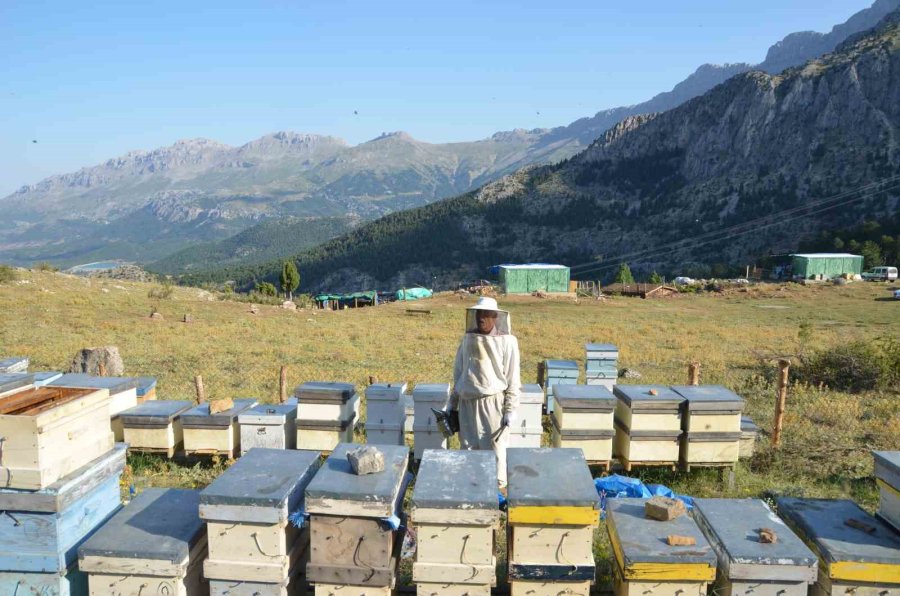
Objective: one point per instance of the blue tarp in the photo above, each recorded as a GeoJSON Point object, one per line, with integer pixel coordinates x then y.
{"type": "Point", "coordinates": [413, 294]}
{"type": "Point", "coordinates": [616, 486]}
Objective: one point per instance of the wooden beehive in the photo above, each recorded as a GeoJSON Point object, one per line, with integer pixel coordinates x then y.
{"type": "Point", "coordinates": [747, 566]}
{"type": "Point", "coordinates": [711, 420]}
{"type": "Point", "coordinates": [852, 560]}
{"type": "Point", "coordinates": [155, 426]}
{"type": "Point", "coordinates": [297, 585]}
{"type": "Point", "coordinates": [71, 583]}
{"type": "Point", "coordinates": [645, 564]}
{"type": "Point", "coordinates": [324, 435]}
{"type": "Point", "coordinates": [271, 426]}
{"type": "Point", "coordinates": [887, 477]}
{"type": "Point", "coordinates": [350, 543]}
{"type": "Point", "coordinates": [455, 521]}
{"type": "Point", "coordinates": [40, 531]}
{"type": "Point", "coordinates": [553, 508]}
{"type": "Point", "coordinates": [319, 400]}
{"type": "Point", "coordinates": [122, 394]}
{"type": "Point", "coordinates": [14, 382]}
{"type": "Point", "coordinates": [648, 425]}
{"type": "Point", "coordinates": [50, 432]}
{"type": "Point", "coordinates": [155, 545]}
{"type": "Point", "coordinates": [385, 414]}
{"type": "Point", "coordinates": [528, 429]}
{"type": "Point", "coordinates": [209, 434]}
{"type": "Point", "coordinates": [322, 589]}
{"type": "Point", "coordinates": [583, 419]}
{"type": "Point", "coordinates": [246, 511]}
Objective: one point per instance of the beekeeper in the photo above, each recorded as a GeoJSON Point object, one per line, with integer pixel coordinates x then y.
{"type": "Point", "coordinates": [486, 381]}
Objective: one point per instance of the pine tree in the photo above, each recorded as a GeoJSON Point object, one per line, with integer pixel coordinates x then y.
{"type": "Point", "coordinates": [655, 278]}
{"type": "Point", "coordinates": [623, 275]}
{"type": "Point", "coordinates": [290, 279]}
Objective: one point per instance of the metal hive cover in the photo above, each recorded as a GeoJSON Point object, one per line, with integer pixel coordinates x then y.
{"type": "Point", "coordinates": [83, 381]}
{"type": "Point", "coordinates": [546, 477]}
{"type": "Point", "coordinates": [560, 365]}
{"type": "Point", "coordinates": [263, 478]}
{"type": "Point", "coordinates": [200, 416]}
{"type": "Point", "coordinates": [268, 414]}
{"type": "Point", "coordinates": [887, 467]}
{"type": "Point", "coordinates": [709, 397]}
{"type": "Point", "coordinates": [639, 397]}
{"type": "Point", "coordinates": [451, 479]}
{"type": "Point", "coordinates": [325, 391]}
{"type": "Point", "coordinates": [385, 391]}
{"type": "Point", "coordinates": [600, 348]}
{"type": "Point", "coordinates": [12, 381]}
{"type": "Point", "coordinates": [584, 397]}
{"type": "Point", "coordinates": [155, 412]}
{"type": "Point", "coordinates": [643, 540]}
{"type": "Point", "coordinates": [336, 480]}
{"type": "Point", "coordinates": [531, 394]}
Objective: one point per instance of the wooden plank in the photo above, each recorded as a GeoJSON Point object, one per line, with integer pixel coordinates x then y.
{"type": "Point", "coordinates": [39, 399]}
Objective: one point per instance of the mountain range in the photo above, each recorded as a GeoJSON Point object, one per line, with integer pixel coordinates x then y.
{"type": "Point", "coordinates": [756, 164]}
{"type": "Point", "coordinates": [149, 205]}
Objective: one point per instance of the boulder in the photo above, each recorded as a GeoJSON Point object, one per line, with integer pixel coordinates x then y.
{"type": "Point", "coordinates": [366, 460]}
{"type": "Point", "coordinates": [289, 305]}
{"type": "Point", "coordinates": [92, 360]}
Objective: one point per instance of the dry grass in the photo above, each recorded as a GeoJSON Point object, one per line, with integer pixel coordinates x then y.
{"type": "Point", "coordinates": [828, 435]}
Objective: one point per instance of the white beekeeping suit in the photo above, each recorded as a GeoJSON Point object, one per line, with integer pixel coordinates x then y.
{"type": "Point", "coordinates": [487, 383]}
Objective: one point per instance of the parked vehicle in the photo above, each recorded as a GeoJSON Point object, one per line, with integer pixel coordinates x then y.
{"type": "Point", "coordinates": [881, 274]}
{"type": "Point", "coordinates": [896, 294]}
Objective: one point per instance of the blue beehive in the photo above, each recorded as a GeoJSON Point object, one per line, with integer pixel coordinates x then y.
{"type": "Point", "coordinates": [558, 372]}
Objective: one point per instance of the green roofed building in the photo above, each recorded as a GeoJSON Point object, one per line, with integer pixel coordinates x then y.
{"type": "Point", "coordinates": [825, 265]}
{"type": "Point", "coordinates": [525, 279]}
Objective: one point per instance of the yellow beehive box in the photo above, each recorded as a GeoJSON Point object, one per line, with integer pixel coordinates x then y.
{"type": "Point", "coordinates": [710, 409]}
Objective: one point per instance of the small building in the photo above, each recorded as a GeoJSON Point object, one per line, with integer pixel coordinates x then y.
{"type": "Point", "coordinates": [823, 265]}
{"type": "Point", "coordinates": [532, 277]}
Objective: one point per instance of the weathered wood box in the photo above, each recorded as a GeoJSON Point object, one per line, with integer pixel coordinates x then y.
{"type": "Point", "coordinates": [711, 420]}
{"type": "Point", "coordinates": [272, 426]}
{"type": "Point", "coordinates": [210, 434]}
{"type": "Point", "coordinates": [324, 435]}
{"type": "Point", "coordinates": [553, 509]}
{"type": "Point", "coordinates": [455, 521]}
{"type": "Point", "coordinates": [887, 477]}
{"type": "Point", "coordinates": [155, 426]}
{"type": "Point", "coordinates": [122, 394]}
{"type": "Point", "coordinates": [583, 418]}
{"type": "Point", "coordinates": [645, 564]}
{"type": "Point", "coordinates": [50, 432]}
{"type": "Point", "coordinates": [246, 511]}
{"type": "Point", "coordinates": [320, 400]}
{"type": "Point", "coordinates": [351, 541]}
{"type": "Point", "coordinates": [648, 425]}
{"type": "Point", "coordinates": [746, 566]}
{"type": "Point", "coordinates": [72, 583]}
{"type": "Point", "coordinates": [425, 429]}
{"type": "Point", "coordinates": [14, 382]}
{"type": "Point", "coordinates": [528, 429]}
{"type": "Point", "coordinates": [851, 560]}
{"type": "Point", "coordinates": [155, 545]}
{"type": "Point", "coordinates": [558, 372]}
{"type": "Point", "coordinates": [40, 531]}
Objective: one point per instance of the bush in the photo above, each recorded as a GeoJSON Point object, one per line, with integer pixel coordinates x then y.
{"type": "Point", "coordinates": [854, 367]}
{"type": "Point", "coordinates": [8, 274]}
{"type": "Point", "coordinates": [266, 289]}
{"type": "Point", "coordinates": [45, 266]}
{"type": "Point", "coordinates": [163, 292]}
{"type": "Point", "coordinates": [304, 301]}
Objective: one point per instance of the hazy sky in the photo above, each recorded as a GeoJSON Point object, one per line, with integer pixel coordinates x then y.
{"type": "Point", "coordinates": [89, 80]}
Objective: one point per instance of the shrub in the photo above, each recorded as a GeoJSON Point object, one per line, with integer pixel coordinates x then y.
{"type": "Point", "coordinates": [8, 274]}
{"type": "Point", "coordinates": [304, 301]}
{"type": "Point", "coordinates": [623, 275]}
{"type": "Point", "coordinates": [45, 266]}
{"type": "Point", "coordinates": [163, 292]}
{"type": "Point", "coordinates": [854, 367]}
{"type": "Point", "coordinates": [655, 278]}
{"type": "Point", "coordinates": [266, 289]}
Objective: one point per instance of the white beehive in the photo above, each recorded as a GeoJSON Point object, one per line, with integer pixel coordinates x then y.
{"type": "Point", "coordinates": [711, 420]}
{"type": "Point", "coordinates": [209, 434]}
{"type": "Point", "coordinates": [155, 426]}
{"type": "Point", "coordinates": [583, 418]}
{"type": "Point", "coordinates": [385, 414]}
{"type": "Point", "coordinates": [428, 396]}
{"type": "Point", "coordinates": [528, 430]}
{"type": "Point", "coordinates": [648, 425]}
{"type": "Point", "coordinates": [271, 426]}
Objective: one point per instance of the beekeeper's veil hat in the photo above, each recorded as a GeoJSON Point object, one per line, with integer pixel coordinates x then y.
{"type": "Point", "coordinates": [487, 303]}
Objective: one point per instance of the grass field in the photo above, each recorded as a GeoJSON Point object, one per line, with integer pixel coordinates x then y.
{"type": "Point", "coordinates": [828, 434]}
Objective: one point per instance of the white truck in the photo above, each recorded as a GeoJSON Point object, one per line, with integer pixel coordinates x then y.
{"type": "Point", "coordinates": [881, 274]}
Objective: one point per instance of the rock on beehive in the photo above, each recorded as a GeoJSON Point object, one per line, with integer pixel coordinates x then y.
{"type": "Point", "coordinates": [366, 460]}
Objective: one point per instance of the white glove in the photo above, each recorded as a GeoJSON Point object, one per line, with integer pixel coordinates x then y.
{"type": "Point", "coordinates": [509, 418]}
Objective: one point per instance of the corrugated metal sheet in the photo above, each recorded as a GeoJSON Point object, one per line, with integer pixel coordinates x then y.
{"type": "Point", "coordinates": [525, 280]}
{"type": "Point", "coordinates": [828, 265]}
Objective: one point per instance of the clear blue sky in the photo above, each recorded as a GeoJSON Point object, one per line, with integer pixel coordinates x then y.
{"type": "Point", "coordinates": [90, 80]}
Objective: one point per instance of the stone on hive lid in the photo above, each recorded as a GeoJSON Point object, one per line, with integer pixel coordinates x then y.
{"type": "Point", "coordinates": [324, 392]}
{"type": "Point", "coordinates": [710, 398]}
{"type": "Point", "coordinates": [546, 477]}
{"type": "Point", "coordinates": [264, 486]}
{"type": "Point", "coordinates": [200, 416]}
{"type": "Point", "coordinates": [159, 412]}
{"type": "Point", "coordinates": [638, 397]}
{"type": "Point", "coordinates": [887, 467]}
{"type": "Point", "coordinates": [366, 459]}
{"type": "Point", "coordinates": [336, 490]}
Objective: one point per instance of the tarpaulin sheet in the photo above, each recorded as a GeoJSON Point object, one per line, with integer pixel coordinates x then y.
{"type": "Point", "coordinates": [616, 486]}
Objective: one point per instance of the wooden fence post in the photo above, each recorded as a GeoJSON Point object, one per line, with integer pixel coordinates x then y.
{"type": "Point", "coordinates": [101, 369]}
{"type": "Point", "coordinates": [694, 373]}
{"type": "Point", "coordinates": [784, 367]}
{"type": "Point", "coordinates": [201, 394]}
{"type": "Point", "coordinates": [282, 385]}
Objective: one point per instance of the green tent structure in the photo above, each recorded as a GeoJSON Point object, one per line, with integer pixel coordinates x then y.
{"type": "Point", "coordinates": [825, 265]}
{"type": "Point", "coordinates": [533, 277]}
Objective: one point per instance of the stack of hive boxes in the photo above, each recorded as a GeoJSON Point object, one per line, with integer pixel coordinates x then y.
{"type": "Point", "coordinates": [887, 476]}
{"type": "Point", "coordinates": [41, 530]}
{"type": "Point", "coordinates": [253, 547]}
{"type": "Point", "coordinates": [528, 429]}
{"type": "Point", "coordinates": [553, 509]}
{"type": "Point", "coordinates": [122, 394]}
{"type": "Point", "coordinates": [155, 545]}
{"type": "Point", "coordinates": [356, 526]}
{"type": "Point", "coordinates": [455, 523]}
{"type": "Point", "coordinates": [711, 421]}
{"type": "Point", "coordinates": [858, 554]}
{"type": "Point", "coordinates": [558, 372]}
{"type": "Point", "coordinates": [646, 564]}
{"type": "Point", "coordinates": [648, 425]}
{"type": "Point", "coordinates": [385, 414]}
{"type": "Point", "coordinates": [16, 364]}
{"type": "Point", "coordinates": [271, 426]}
{"type": "Point", "coordinates": [326, 414]}
{"type": "Point", "coordinates": [155, 426]}
{"type": "Point", "coordinates": [601, 364]}
{"type": "Point", "coordinates": [583, 418]}
{"type": "Point", "coordinates": [747, 565]}
{"type": "Point", "coordinates": [206, 433]}
{"type": "Point", "coordinates": [426, 435]}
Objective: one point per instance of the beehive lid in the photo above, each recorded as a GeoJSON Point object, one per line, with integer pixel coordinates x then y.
{"type": "Point", "coordinates": [271, 479]}
{"type": "Point", "coordinates": [145, 385]}
{"type": "Point", "coordinates": [821, 523]}
{"type": "Point", "coordinates": [385, 391]}
{"type": "Point", "coordinates": [43, 378]}
{"type": "Point", "coordinates": [545, 477]}
{"type": "Point", "coordinates": [641, 549]}
{"type": "Point", "coordinates": [589, 398]}
{"type": "Point", "coordinates": [159, 524]}
{"type": "Point", "coordinates": [155, 412]}
{"type": "Point", "coordinates": [463, 480]}
{"type": "Point", "coordinates": [70, 488]}
{"type": "Point", "coordinates": [887, 467]}
{"type": "Point", "coordinates": [431, 392]}
{"type": "Point", "coordinates": [732, 526]}
{"type": "Point", "coordinates": [269, 414]}
{"type": "Point", "coordinates": [638, 397]}
{"type": "Point", "coordinates": [13, 381]}
{"type": "Point", "coordinates": [531, 394]}
{"type": "Point", "coordinates": [14, 365]}
{"type": "Point", "coordinates": [82, 381]}
{"type": "Point", "coordinates": [713, 398]}
{"type": "Point", "coordinates": [336, 490]}
{"type": "Point", "coordinates": [592, 347]}
{"type": "Point", "coordinates": [748, 426]}
{"type": "Point", "coordinates": [325, 392]}
{"type": "Point", "coordinates": [200, 416]}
